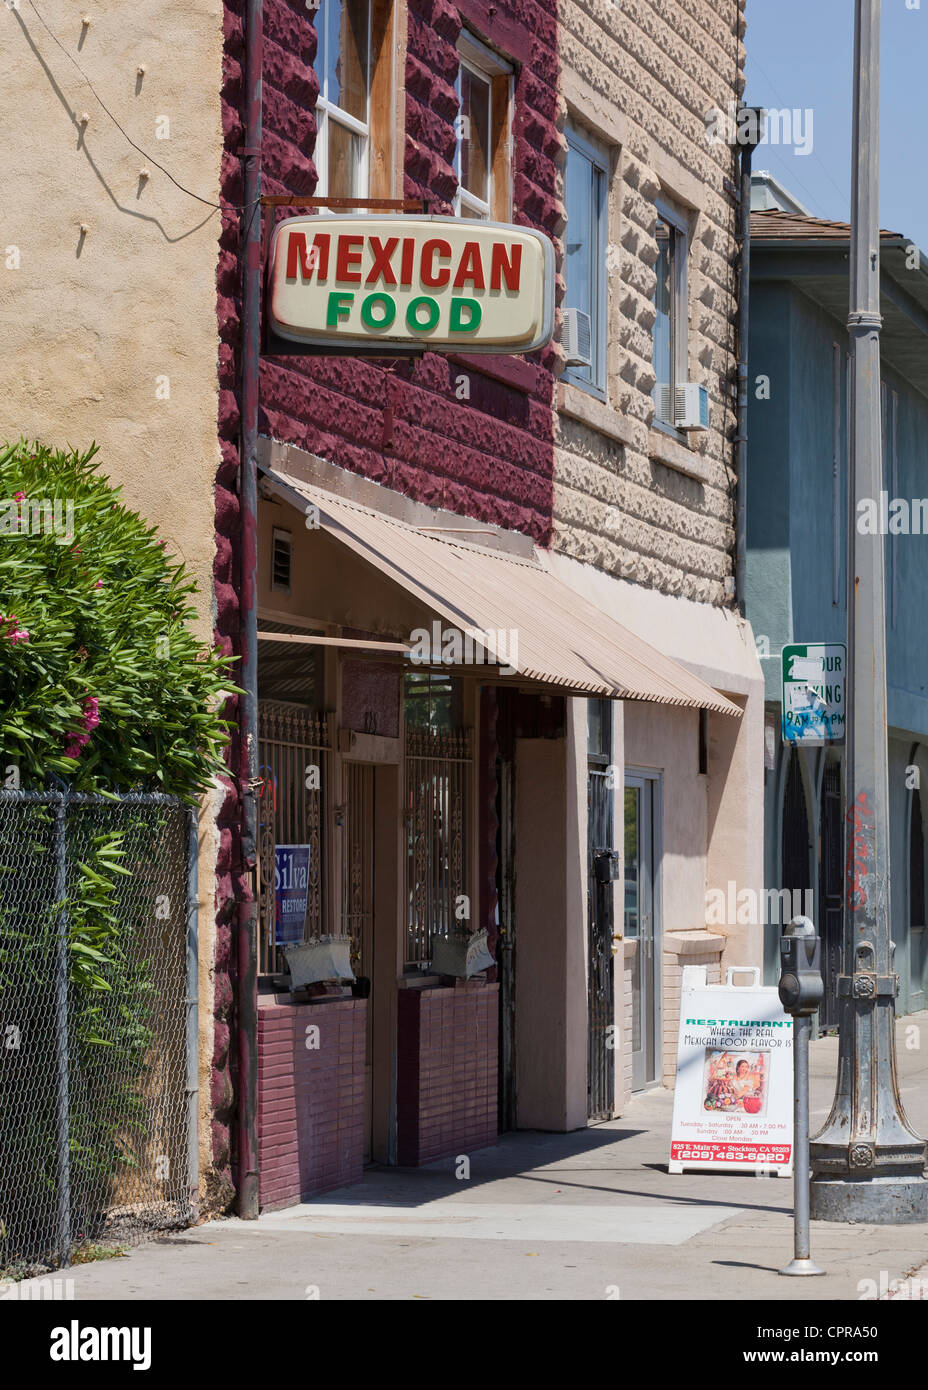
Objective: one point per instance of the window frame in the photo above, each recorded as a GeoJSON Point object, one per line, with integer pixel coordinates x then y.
{"type": "Point", "coordinates": [330, 110]}
{"type": "Point", "coordinates": [679, 319]}
{"type": "Point", "coordinates": [596, 383]}
{"type": "Point", "coordinates": [493, 69]}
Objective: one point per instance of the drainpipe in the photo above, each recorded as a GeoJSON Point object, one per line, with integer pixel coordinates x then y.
{"type": "Point", "coordinates": [749, 134]}
{"type": "Point", "coordinates": [246, 943]}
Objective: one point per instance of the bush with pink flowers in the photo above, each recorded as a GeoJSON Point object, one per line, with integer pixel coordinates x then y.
{"type": "Point", "coordinates": [103, 681]}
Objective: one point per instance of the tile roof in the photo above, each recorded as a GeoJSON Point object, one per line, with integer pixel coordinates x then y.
{"type": "Point", "coordinates": [775, 225]}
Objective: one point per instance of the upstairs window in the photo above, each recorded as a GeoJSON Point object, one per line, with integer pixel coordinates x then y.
{"type": "Point", "coordinates": [670, 351]}
{"type": "Point", "coordinates": [585, 262]}
{"type": "Point", "coordinates": [482, 155]}
{"type": "Point", "coordinates": [343, 68]}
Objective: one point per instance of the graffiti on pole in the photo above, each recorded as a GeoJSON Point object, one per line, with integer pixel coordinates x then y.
{"type": "Point", "coordinates": [861, 827]}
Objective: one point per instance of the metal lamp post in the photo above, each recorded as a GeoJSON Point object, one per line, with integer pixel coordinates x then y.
{"type": "Point", "coordinates": [867, 1162]}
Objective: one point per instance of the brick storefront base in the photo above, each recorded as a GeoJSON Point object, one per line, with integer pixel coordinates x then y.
{"type": "Point", "coordinates": [447, 1071]}
{"type": "Point", "coordinates": [310, 1099]}
{"type": "Point", "coordinates": [682, 948]}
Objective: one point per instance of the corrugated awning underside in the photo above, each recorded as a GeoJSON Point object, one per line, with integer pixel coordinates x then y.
{"type": "Point", "coordinates": [563, 641]}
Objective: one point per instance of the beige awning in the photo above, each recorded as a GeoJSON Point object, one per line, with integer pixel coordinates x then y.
{"type": "Point", "coordinates": [563, 640]}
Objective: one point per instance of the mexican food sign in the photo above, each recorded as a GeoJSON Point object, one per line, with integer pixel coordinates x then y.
{"type": "Point", "coordinates": [410, 284]}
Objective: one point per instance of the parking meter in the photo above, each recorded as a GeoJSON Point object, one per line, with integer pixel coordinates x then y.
{"type": "Point", "coordinates": [801, 990]}
{"type": "Point", "coordinates": [801, 986]}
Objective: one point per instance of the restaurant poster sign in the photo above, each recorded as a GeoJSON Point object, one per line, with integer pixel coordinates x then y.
{"type": "Point", "coordinates": [392, 285]}
{"type": "Point", "coordinates": [291, 892]}
{"type": "Point", "coordinates": [733, 1103]}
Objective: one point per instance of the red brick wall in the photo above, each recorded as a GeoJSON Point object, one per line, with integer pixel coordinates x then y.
{"type": "Point", "coordinates": [310, 1101]}
{"type": "Point", "coordinates": [491, 457]}
{"type": "Point", "coordinates": [446, 1072]}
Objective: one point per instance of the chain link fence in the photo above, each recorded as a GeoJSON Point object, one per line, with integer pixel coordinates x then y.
{"type": "Point", "coordinates": [98, 1024]}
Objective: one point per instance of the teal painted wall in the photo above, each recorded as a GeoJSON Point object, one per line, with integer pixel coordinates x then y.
{"type": "Point", "coordinates": [796, 526]}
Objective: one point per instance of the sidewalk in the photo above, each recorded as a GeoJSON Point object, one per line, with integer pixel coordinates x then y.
{"type": "Point", "coordinates": [589, 1215]}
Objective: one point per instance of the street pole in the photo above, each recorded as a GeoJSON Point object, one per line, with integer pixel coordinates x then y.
{"type": "Point", "coordinates": [867, 1162]}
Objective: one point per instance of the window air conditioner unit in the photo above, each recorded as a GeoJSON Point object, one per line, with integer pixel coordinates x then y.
{"type": "Point", "coordinates": [578, 338]}
{"type": "Point", "coordinates": [663, 402]}
{"type": "Point", "coordinates": [692, 407]}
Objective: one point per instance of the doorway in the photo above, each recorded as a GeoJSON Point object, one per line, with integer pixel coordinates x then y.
{"type": "Point", "coordinates": [600, 913]}
{"type": "Point", "coordinates": [643, 924]}
{"type": "Point", "coordinates": [369, 869]}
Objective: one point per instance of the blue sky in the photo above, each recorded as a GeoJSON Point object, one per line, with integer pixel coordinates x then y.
{"type": "Point", "coordinates": [800, 54]}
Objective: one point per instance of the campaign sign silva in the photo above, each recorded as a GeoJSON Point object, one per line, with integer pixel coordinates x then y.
{"type": "Point", "coordinates": [733, 1103]}
{"type": "Point", "coordinates": [291, 889]}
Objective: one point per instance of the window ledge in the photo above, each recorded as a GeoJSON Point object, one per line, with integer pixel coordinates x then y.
{"type": "Point", "coordinates": [512, 371]}
{"type": "Point", "coordinates": [663, 449]}
{"type": "Point", "coordinates": [580, 405]}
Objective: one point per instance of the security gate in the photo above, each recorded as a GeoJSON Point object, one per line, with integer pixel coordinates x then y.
{"type": "Point", "coordinates": [358, 904]}
{"type": "Point", "coordinates": [601, 1061]}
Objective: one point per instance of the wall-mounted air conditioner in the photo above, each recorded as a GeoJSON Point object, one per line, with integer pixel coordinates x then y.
{"type": "Point", "coordinates": [691, 407]}
{"type": "Point", "coordinates": [663, 402]}
{"type": "Point", "coordinates": [578, 338]}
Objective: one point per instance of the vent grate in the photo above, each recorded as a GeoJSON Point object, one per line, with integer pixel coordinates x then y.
{"type": "Point", "coordinates": [281, 560]}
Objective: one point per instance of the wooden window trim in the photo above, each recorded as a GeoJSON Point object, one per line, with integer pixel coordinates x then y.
{"type": "Point", "coordinates": [385, 63]}
{"type": "Point", "coordinates": [382, 113]}
{"type": "Point", "coordinates": [498, 72]}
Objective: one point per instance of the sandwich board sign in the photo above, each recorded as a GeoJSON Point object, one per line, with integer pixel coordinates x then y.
{"type": "Point", "coordinates": [813, 689]}
{"type": "Point", "coordinates": [733, 1103]}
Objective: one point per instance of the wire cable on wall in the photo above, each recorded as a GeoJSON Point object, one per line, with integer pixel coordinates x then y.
{"type": "Point", "coordinates": [209, 202]}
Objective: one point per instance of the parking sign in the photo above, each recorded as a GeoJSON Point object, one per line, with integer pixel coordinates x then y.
{"type": "Point", "coordinates": [813, 691]}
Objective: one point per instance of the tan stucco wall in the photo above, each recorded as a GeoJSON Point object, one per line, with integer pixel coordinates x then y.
{"type": "Point", "coordinates": [712, 823]}
{"type": "Point", "coordinates": [92, 322]}
{"type": "Point", "coordinates": [550, 870]}
{"type": "Point", "coordinates": [637, 76]}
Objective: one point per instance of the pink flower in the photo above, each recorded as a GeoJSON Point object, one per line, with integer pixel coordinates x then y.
{"type": "Point", "coordinates": [99, 584]}
{"type": "Point", "coordinates": [16, 633]}
{"type": "Point", "coordinates": [74, 745]}
{"type": "Point", "coordinates": [77, 740]}
{"type": "Point", "coordinates": [19, 496]}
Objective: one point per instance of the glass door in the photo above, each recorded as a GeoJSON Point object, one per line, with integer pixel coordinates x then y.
{"type": "Point", "coordinates": [642, 925]}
